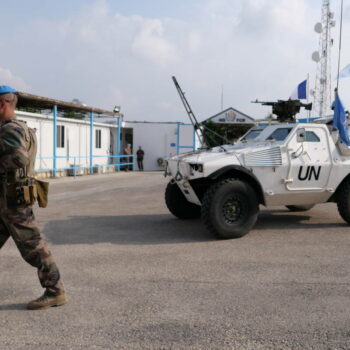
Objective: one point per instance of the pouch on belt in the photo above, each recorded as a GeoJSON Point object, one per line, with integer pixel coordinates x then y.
{"type": "Point", "coordinates": [27, 192]}
{"type": "Point", "coordinates": [42, 188]}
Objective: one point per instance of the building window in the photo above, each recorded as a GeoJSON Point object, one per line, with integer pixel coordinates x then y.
{"type": "Point", "coordinates": [60, 136]}
{"type": "Point", "coordinates": [98, 138]}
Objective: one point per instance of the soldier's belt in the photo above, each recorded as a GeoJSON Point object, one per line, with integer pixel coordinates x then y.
{"type": "Point", "coordinates": [26, 182]}
{"type": "Point", "coordinates": [27, 192]}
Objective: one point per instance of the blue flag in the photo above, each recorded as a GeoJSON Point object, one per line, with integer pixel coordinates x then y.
{"type": "Point", "coordinates": [345, 72]}
{"type": "Point", "coordinates": [300, 92]}
{"type": "Point", "coordinates": [340, 121]}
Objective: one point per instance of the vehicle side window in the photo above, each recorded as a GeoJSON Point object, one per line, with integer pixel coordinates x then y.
{"type": "Point", "coordinates": [311, 137]}
{"type": "Point", "coordinates": [253, 134]}
{"type": "Point", "coordinates": [279, 134]}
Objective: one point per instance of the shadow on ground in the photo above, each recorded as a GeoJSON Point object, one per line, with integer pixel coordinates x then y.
{"type": "Point", "coordinates": [279, 219]}
{"type": "Point", "coordinates": [13, 307]}
{"type": "Point", "coordinates": [128, 229]}
{"type": "Point", "coordinates": [160, 229]}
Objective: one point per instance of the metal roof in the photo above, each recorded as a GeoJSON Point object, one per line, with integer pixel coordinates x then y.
{"type": "Point", "coordinates": [34, 101]}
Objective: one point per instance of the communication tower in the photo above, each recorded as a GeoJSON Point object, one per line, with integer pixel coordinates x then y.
{"type": "Point", "coordinates": [323, 88]}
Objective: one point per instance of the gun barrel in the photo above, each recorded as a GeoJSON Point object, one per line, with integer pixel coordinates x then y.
{"type": "Point", "coordinates": [264, 103]}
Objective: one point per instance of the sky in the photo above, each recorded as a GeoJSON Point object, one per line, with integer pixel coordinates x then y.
{"type": "Point", "coordinates": [117, 52]}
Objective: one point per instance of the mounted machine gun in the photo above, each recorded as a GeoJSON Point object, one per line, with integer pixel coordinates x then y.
{"type": "Point", "coordinates": [286, 110]}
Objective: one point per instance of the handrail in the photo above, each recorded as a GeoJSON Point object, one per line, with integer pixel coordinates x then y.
{"type": "Point", "coordinates": [118, 163]}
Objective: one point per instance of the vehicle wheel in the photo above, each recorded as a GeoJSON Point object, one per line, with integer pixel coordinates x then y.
{"type": "Point", "coordinates": [178, 205]}
{"type": "Point", "coordinates": [300, 207]}
{"type": "Point", "coordinates": [230, 208]}
{"type": "Point", "coordinates": [343, 201]}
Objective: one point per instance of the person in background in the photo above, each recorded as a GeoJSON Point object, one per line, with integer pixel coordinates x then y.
{"type": "Point", "coordinates": [128, 151]}
{"type": "Point", "coordinates": [139, 155]}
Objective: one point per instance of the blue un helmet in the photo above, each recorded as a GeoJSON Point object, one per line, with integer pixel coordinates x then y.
{"type": "Point", "coordinates": [4, 89]}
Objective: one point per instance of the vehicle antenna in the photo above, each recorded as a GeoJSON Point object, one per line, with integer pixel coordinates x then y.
{"type": "Point", "coordinates": [193, 119]}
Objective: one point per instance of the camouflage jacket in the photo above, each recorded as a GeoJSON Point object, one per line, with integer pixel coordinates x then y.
{"type": "Point", "coordinates": [17, 149]}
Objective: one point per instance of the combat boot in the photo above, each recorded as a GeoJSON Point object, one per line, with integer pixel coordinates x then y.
{"type": "Point", "coordinates": [47, 300]}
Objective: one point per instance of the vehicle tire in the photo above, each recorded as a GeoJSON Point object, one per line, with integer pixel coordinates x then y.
{"type": "Point", "coordinates": [230, 208]}
{"type": "Point", "coordinates": [343, 201]}
{"type": "Point", "coordinates": [300, 207]}
{"type": "Point", "coordinates": [178, 205]}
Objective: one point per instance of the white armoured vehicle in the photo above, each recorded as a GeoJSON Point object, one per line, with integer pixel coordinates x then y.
{"type": "Point", "coordinates": [294, 165]}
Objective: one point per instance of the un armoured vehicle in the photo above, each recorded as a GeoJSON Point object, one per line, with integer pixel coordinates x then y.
{"type": "Point", "coordinates": [294, 165]}
{"type": "Point", "coordinates": [290, 164]}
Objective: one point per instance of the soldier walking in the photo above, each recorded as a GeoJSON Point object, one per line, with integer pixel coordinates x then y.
{"type": "Point", "coordinates": [17, 158]}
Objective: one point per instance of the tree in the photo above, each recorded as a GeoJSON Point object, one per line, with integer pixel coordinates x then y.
{"type": "Point", "coordinates": [229, 133]}
{"type": "Point", "coordinates": [210, 131]}
{"type": "Point", "coordinates": [29, 109]}
{"type": "Point", "coordinates": [72, 114]}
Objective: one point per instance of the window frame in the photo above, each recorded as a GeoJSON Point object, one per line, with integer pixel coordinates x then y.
{"type": "Point", "coordinates": [60, 136]}
{"type": "Point", "coordinates": [98, 138]}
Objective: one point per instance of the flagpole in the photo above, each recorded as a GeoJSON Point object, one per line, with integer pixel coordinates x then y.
{"type": "Point", "coordinates": [340, 40]}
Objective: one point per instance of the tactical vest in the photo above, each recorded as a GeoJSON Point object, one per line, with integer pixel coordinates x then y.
{"type": "Point", "coordinates": [21, 188]}
{"type": "Point", "coordinates": [31, 148]}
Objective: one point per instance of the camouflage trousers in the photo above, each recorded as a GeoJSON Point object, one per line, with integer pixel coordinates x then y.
{"type": "Point", "coordinates": [19, 223]}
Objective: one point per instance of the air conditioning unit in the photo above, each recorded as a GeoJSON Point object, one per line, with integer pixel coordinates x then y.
{"type": "Point", "coordinates": [97, 169]}
{"type": "Point", "coordinates": [78, 170]}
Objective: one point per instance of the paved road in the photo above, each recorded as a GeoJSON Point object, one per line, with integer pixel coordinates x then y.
{"type": "Point", "coordinates": [140, 279]}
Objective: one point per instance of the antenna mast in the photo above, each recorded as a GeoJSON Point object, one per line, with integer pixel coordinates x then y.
{"type": "Point", "coordinates": [193, 119]}
{"type": "Point", "coordinates": [188, 108]}
{"type": "Point", "coordinates": [323, 88]}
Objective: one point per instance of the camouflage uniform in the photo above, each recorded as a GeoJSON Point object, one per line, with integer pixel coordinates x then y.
{"type": "Point", "coordinates": [17, 157]}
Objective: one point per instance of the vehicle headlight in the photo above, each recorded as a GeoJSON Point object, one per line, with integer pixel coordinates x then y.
{"type": "Point", "coordinates": [197, 167]}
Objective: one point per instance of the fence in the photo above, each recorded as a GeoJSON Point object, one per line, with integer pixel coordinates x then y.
{"type": "Point", "coordinates": [75, 163]}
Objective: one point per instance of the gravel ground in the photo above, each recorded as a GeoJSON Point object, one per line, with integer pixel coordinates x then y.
{"type": "Point", "coordinates": [140, 279]}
